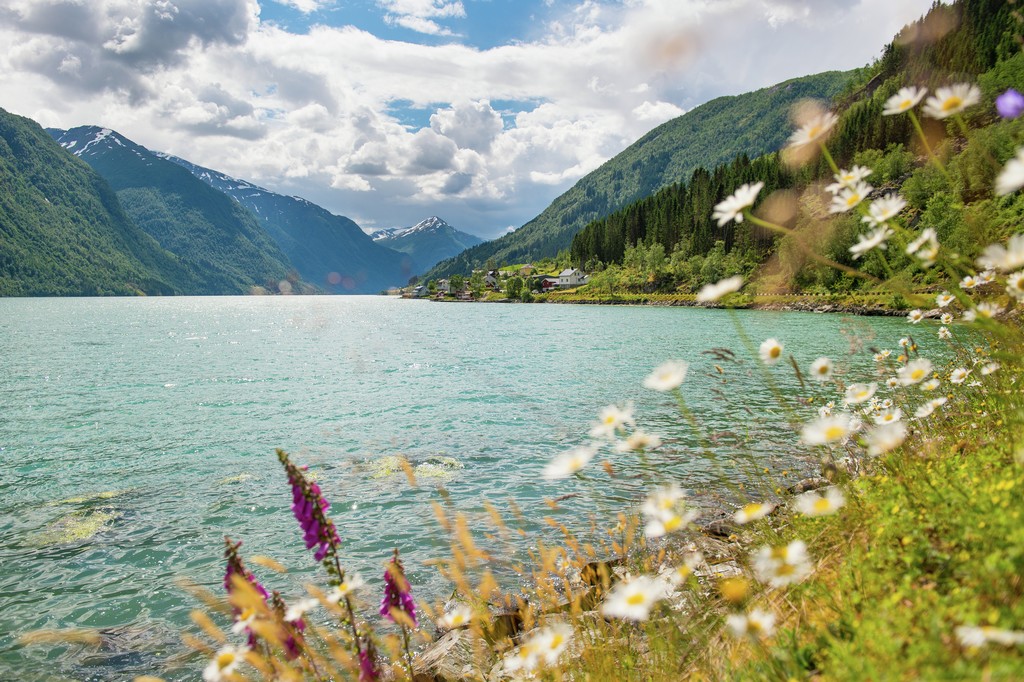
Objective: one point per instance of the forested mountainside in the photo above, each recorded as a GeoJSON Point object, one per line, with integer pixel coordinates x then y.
{"type": "Point", "coordinates": [710, 134]}
{"type": "Point", "coordinates": [328, 250]}
{"type": "Point", "coordinates": [222, 245]}
{"type": "Point", "coordinates": [63, 231]}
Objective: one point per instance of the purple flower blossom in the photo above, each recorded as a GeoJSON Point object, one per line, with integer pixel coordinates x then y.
{"type": "Point", "coordinates": [367, 666]}
{"type": "Point", "coordinates": [1010, 104]}
{"type": "Point", "coordinates": [397, 592]}
{"type": "Point", "coordinates": [310, 509]}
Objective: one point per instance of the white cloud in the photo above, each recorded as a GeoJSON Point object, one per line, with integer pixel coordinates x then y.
{"type": "Point", "coordinates": [419, 15]}
{"type": "Point", "coordinates": [310, 114]}
{"type": "Point", "coordinates": [306, 6]}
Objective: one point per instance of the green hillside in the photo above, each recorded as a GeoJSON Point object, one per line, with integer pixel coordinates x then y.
{"type": "Point", "coordinates": [669, 242]}
{"type": "Point", "coordinates": [62, 230]}
{"type": "Point", "coordinates": [715, 132]}
{"type": "Point", "coordinates": [220, 242]}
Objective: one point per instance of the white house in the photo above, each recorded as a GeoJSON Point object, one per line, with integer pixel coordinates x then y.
{"type": "Point", "coordinates": [444, 285]}
{"type": "Point", "coordinates": [571, 277]}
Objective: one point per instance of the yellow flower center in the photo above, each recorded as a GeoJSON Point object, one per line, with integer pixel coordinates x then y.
{"type": "Point", "coordinates": [556, 641]}
{"type": "Point", "coordinates": [458, 619]}
{"type": "Point", "coordinates": [834, 432]}
{"type": "Point", "coordinates": [635, 599]}
{"type": "Point", "coordinates": [673, 523]}
{"type": "Point", "coordinates": [775, 351]}
{"type": "Point", "coordinates": [823, 369]}
{"type": "Point", "coordinates": [751, 509]}
{"type": "Point", "coordinates": [610, 419]}
{"type": "Point", "coordinates": [917, 374]}
{"type": "Point", "coordinates": [225, 659]}
{"type": "Point", "coordinates": [951, 103]}
{"type": "Point", "coordinates": [821, 505]}
{"type": "Point", "coordinates": [853, 200]}
{"type": "Point", "coordinates": [813, 132]}
{"type": "Point", "coordinates": [906, 104]}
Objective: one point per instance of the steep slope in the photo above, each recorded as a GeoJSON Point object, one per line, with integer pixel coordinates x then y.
{"type": "Point", "coordinates": [428, 242]}
{"type": "Point", "coordinates": [328, 250]}
{"type": "Point", "coordinates": [63, 231]}
{"type": "Point", "coordinates": [715, 132]}
{"type": "Point", "coordinates": [220, 243]}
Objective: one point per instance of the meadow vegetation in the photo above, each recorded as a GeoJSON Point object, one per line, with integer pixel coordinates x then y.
{"type": "Point", "coordinates": [902, 559]}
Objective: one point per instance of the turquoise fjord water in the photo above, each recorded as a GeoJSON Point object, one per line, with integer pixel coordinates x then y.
{"type": "Point", "coordinates": [136, 433]}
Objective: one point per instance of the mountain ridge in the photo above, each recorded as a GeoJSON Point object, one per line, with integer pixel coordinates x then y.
{"type": "Point", "coordinates": [752, 123]}
{"type": "Point", "coordinates": [428, 242]}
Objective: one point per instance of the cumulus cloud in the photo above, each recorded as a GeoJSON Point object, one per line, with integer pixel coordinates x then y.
{"type": "Point", "coordinates": [419, 15]}
{"type": "Point", "coordinates": [306, 6]}
{"type": "Point", "coordinates": [313, 113]}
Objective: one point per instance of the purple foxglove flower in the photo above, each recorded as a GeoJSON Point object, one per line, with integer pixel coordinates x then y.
{"type": "Point", "coordinates": [235, 566]}
{"type": "Point", "coordinates": [310, 510]}
{"type": "Point", "coordinates": [397, 592]}
{"type": "Point", "coordinates": [1010, 104]}
{"type": "Point", "coordinates": [367, 666]}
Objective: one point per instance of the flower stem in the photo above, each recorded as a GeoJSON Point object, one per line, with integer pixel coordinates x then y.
{"type": "Point", "coordinates": [928, 148]}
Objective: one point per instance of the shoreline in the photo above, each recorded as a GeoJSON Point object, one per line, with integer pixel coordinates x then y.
{"type": "Point", "coordinates": [804, 304]}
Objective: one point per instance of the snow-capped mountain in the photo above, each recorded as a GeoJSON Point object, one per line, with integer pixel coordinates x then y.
{"type": "Point", "coordinates": [220, 243]}
{"type": "Point", "coordinates": [428, 242]}
{"type": "Point", "coordinates": [328, 250]}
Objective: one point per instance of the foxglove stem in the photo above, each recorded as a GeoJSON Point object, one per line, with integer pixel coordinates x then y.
{"type": "Point", "coordinates": [398, 597]}
{"type": "Point", "coordinates": [236, 567]}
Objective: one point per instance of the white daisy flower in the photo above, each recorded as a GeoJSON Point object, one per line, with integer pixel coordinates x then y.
{"type": "Point", "coordinates": [859, 393]}
{"type": "Point", "coordinates": [569, 462]}
{"type": "Point", "coordinates": [224, 663]}
{"type": "Point", "coordinates": [456, 618]}
{"type": "Point", "coordinates": [634, 599]}
{"type": "Point", "coordinates": [680, 573]}
{"type": "Point", "coordinates": [781, 566]}
{"type": "Point", "coordinates": [985, 310]}
{"type": "Point", "coordinates": [1015, 285]}
{"type": "Point", "coordinates": [770, 351]}
{"type": "Point", "coordinates": [944, 333]}
{"type": "Point", "coordinates": [930, 385]}
{"type": "Point", "coordinates": [732, 207]}
{"type": "Point", "coordinates": [352, 582]}
{"type": "Point", "coordinates": [549, 642]}
{"type": "Point", "coordinates": [752, 512]}
{"type": "Point", "coordinates": [885, 209]}
{"type": "Point", "coordinates": [947, 318]}
{"type": "Point", "coordinates": [893, 414]}
{"type": "Point", "coordinates": [299, 609]}
{"type": "Point", "coordinates": [874, 239]}
{"type": "Point", "coordinates": [522, 660]}
{"type": "Point", "coordinates": [944, 299]}
{"type": "Point", "coordinates": [848, 178]}
{"type": "Point", "coordinates": [974, 637]}
{"type": "Point", "coordinates": [986, 277]}
{"type": "Point", "coordinates": [1003, 258]}
{"type": "Point", "coordinates": [667, 376]}
{"type": "Point", "coordinates": [925, 247]}
{"type": "Point", "coordinates": [665, 511]}
{"type": "Point", "coordinates": [815, 129]}
{"type": "Point", "coordinates": [952, 100]}
{"type": "Point", "coordinates": [1011, 178]}
{"type": "Point", "coordinates": [848, 197]}
{"type": "Point", "coordinates": [713, 292]}
{"type": "Point", "coordinates": [821, 369]}
{"type": "Point", "coordinates": [915, 316]}
{"type": "Point", "coordinates": [882, 355]}
{"type": "Point", "coordinates": [989, 368]}
{"type": "Point", "coordinates": [756, 624]}
{"type": "Point", "coordinates": [638, 441]}
{"type": "Point", "coordinates": [924, 411]}
{"type": "Point", "coordinates": [905, 342]}
{"type": "Point", "coordinates": [969, 282]}
{"type": "Point", "coordinates": [914, 372]}
{"type": "Point", "coordinates": [904, 100]}
{"type": "Point", "coordinates": [892, 382]}
{"type": "Point", "coordinates": [610, 420]}
{"type": "Point", "coordinates": [826, 430]}
{"type": "Point", "coordinates": [959, 375]}
{"type": "Point", "coordinates": [885, 437]}
{"type": "Point", "coordinates": [811, 503]}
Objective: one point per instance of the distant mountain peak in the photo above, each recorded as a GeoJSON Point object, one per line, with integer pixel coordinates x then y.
{"type": "Point", "coordinates": [427, 242]}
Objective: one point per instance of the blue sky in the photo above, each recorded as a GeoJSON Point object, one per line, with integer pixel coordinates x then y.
{"type": "Point", "coordinates": [389, 111]}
